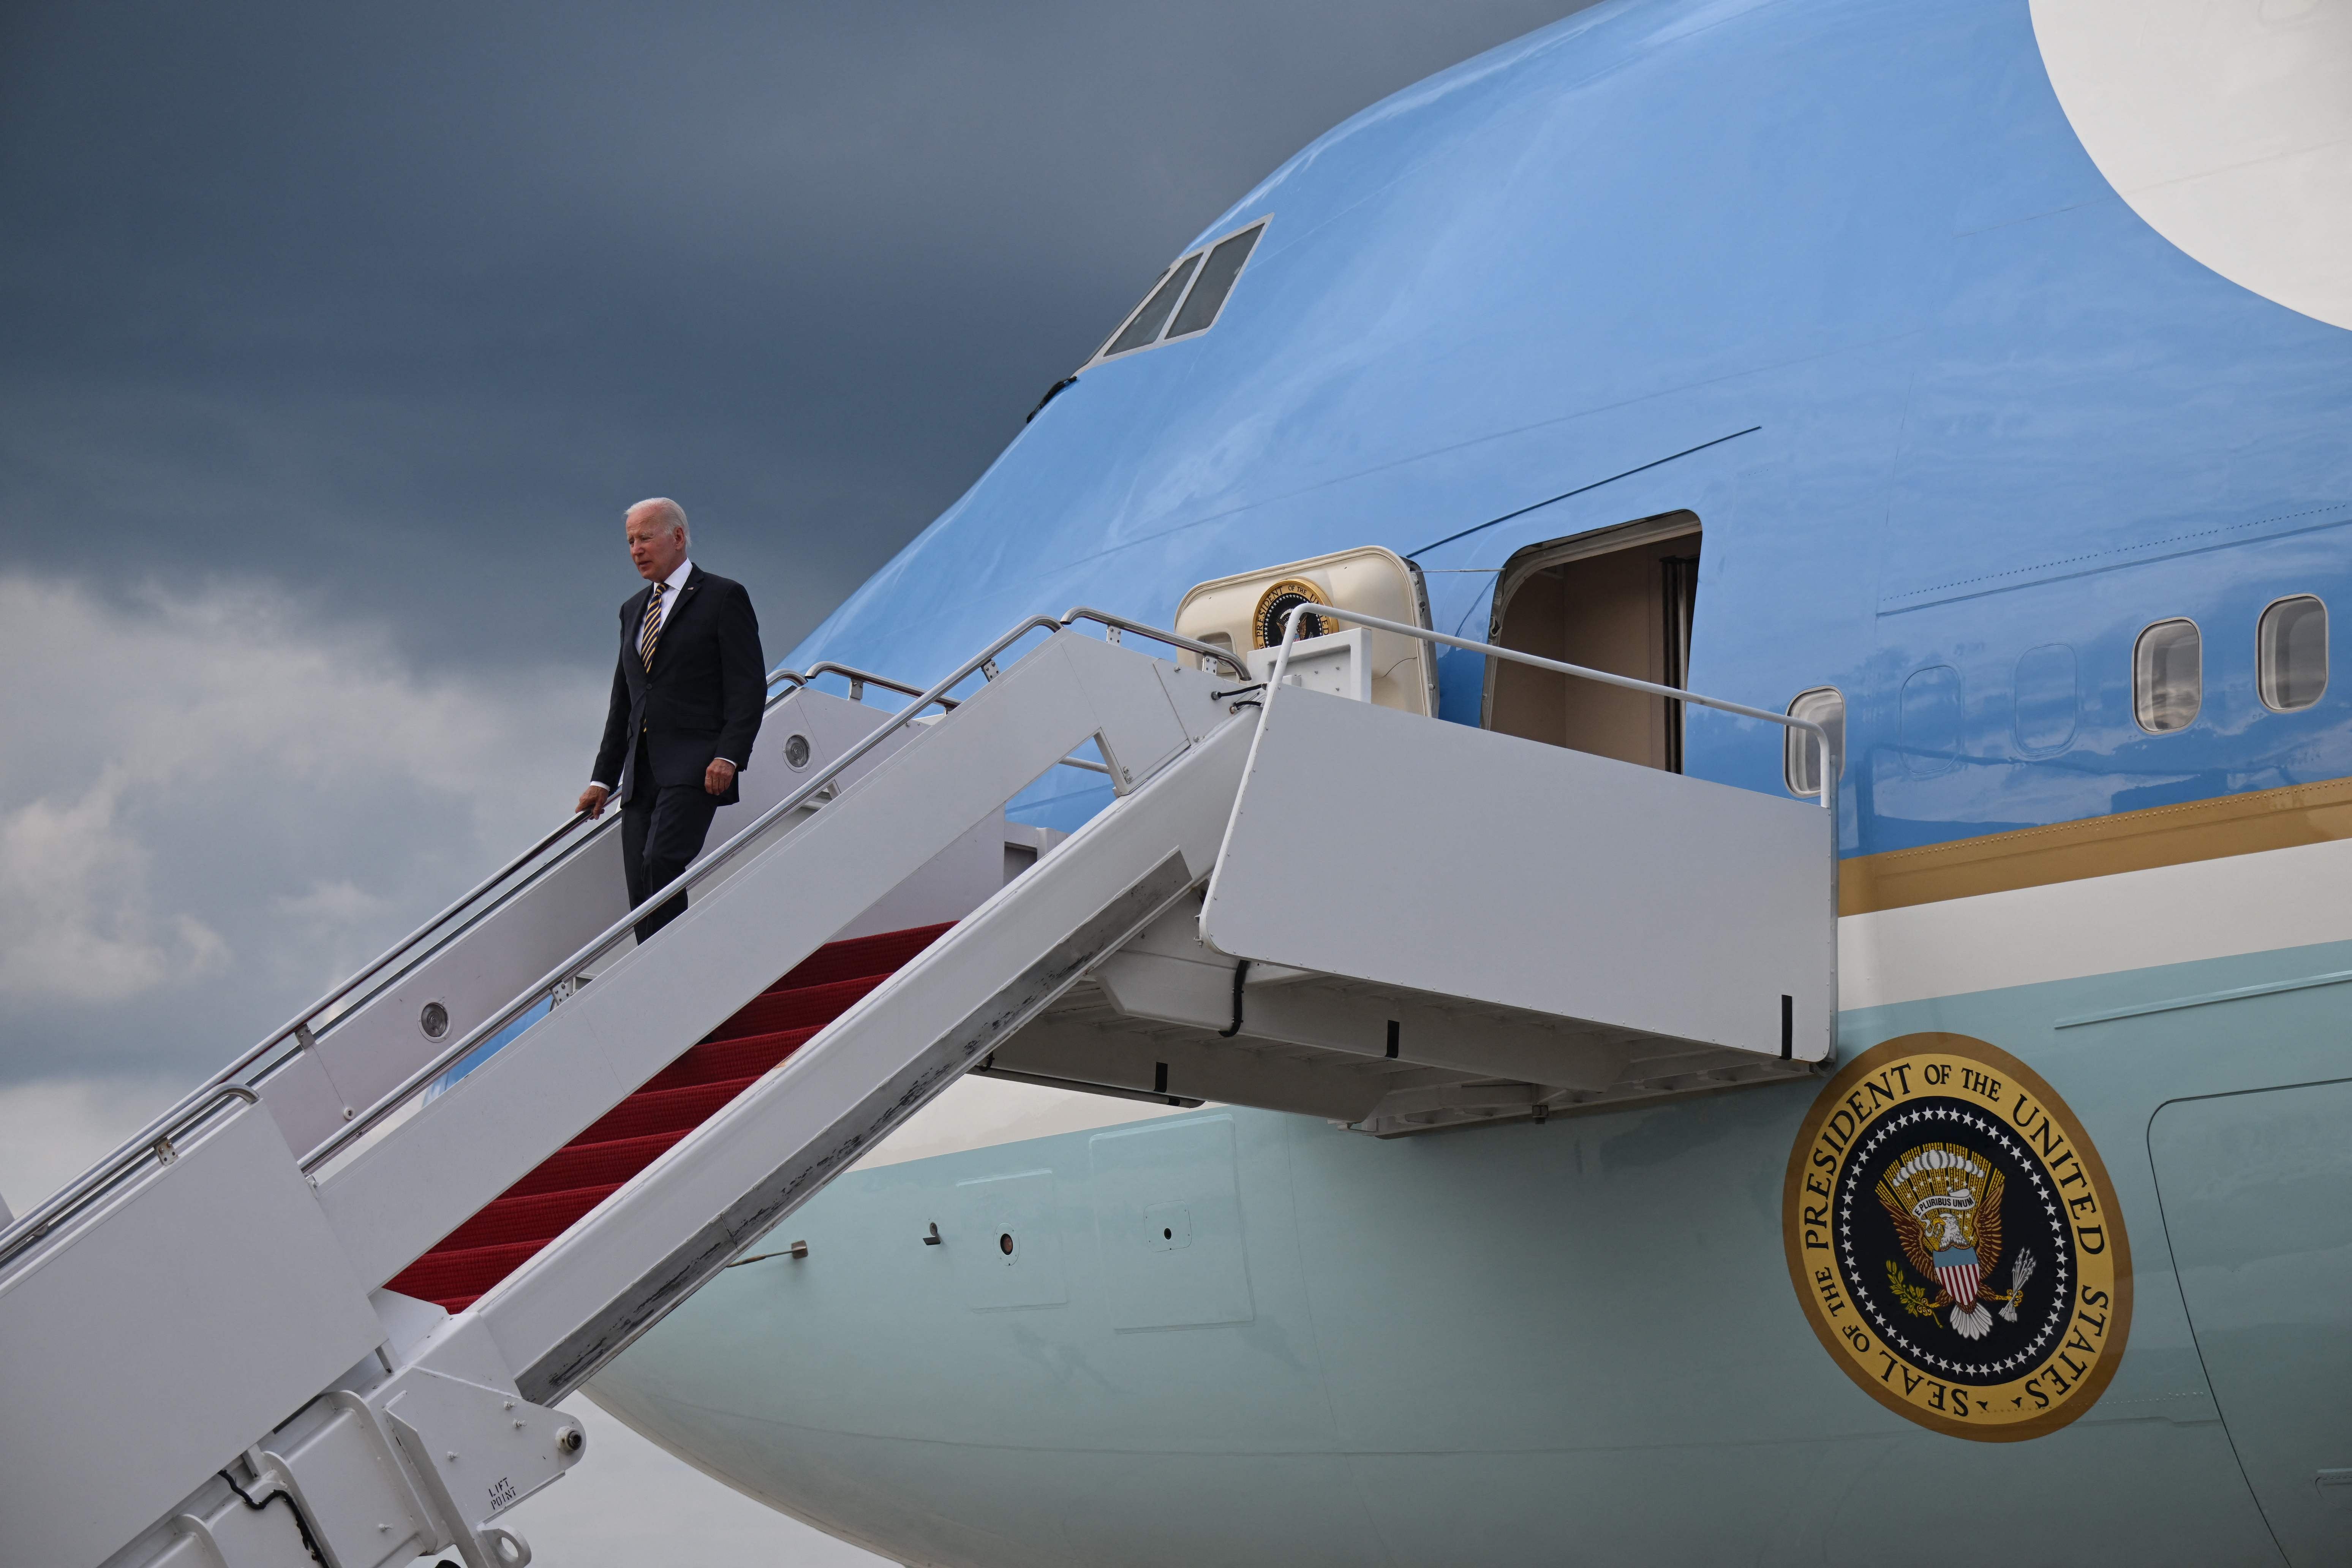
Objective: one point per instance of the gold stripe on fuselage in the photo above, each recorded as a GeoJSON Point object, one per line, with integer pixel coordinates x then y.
{"type": "Point", "coordinates": [2098, 847]}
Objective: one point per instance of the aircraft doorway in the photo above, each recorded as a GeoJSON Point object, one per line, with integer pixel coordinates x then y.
{"type": "Point", "coordinates": [1620, 599]}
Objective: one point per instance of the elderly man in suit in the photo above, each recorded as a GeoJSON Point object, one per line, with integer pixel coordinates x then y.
{"type": "Point", "coordinates": [687, 697]}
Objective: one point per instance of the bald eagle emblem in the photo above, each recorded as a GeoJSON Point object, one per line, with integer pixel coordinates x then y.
{"type": "Point", "coordinates": [1945, 1202]}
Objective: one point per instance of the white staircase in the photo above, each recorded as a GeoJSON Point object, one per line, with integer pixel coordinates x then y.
{"type": "Point", "coordinates": [198, 1364]}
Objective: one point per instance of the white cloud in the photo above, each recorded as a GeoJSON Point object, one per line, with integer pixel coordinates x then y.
{"type": "Point", "coordinates": [343, 902]}
{"type": "Point", "coordinates": [76, 921]}
{"type": "Point", "coordinates": [215, 801]}
{"type": "Point", "coordinates": [50, 1132]}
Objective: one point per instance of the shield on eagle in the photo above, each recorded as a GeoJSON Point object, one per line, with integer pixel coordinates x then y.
{"type": "Point", "coordinates": [1945, 1201]}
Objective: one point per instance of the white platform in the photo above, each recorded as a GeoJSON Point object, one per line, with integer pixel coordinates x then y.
{"type": "Point", "coordinates": [1382, 846]}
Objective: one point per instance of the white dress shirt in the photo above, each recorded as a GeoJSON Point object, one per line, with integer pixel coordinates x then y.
{"type": "Point", "coordinates": [677, 585]}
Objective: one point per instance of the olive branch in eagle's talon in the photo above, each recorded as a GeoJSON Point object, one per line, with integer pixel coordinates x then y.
{"type": "Point", "coordinates": [1913, 1299]}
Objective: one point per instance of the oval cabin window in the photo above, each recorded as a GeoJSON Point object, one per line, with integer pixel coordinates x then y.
{"type": "Point", "coordinates": [2169, 677]}
{"type": "Point", "coordinates": [2044, 706]}
{"type": "Point", "coordinates": [1929, 721]}
{"type": "Point", "coordinates": [2291, 651]}
{"type": "Point", "coordinates": [1800, 756]}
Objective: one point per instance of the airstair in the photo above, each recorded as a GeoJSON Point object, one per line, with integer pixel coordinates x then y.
{"type": "Point", "coordinates": [320, 1310]}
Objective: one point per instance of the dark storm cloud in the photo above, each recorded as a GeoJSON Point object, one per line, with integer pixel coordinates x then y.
{"type": "Point", "coordinates": [398, 305]}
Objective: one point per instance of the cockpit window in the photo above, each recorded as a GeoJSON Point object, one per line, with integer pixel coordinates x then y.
{"type": "Point", "coordinates": [1208, 295]}
{"type": "Point", "coordinates": [1170, 311]}
{"type": "Point", "coordinates": [1145, 328]}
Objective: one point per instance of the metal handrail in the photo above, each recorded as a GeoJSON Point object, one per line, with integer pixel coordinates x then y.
{"type": "Point", "coordinates": [861, 678]}
{"type": "Point", "coordinates": [1828, 792]}
{"type": "Point", "coordinates": [982, 663]}
{"type": "Point", "coordinates": [44, 1214]}
{"type": "Point", "coordinates": [157, 1141]}
{"type": "Point", "coordinates": [38, 1220]}
{"type": "Point", "coordinates": [1121, 624]}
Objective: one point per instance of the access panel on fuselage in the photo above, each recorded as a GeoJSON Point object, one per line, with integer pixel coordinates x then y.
{"type": "Point", "coordinates": [2257, 1195]}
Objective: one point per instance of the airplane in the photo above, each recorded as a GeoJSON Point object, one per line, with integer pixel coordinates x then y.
{"type": "Point", "coordinates": [1704, 921]}
{"type": "Point", "coordinates": [1971, 376]}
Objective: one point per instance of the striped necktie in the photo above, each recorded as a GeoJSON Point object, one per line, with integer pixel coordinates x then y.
{"type": "Point", "coordinates": [650, 632]}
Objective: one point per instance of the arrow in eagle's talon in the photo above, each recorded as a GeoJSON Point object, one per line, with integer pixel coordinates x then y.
{"type": "Point", "coordinates": [2019, 1273]}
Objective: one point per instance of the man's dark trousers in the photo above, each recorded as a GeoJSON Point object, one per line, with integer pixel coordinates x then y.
{"type": "Point", "coordinates": [661, 830]}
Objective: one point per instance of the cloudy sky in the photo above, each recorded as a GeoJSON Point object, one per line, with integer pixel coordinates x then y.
{"type": "Point", "coordinates": [334, 339]}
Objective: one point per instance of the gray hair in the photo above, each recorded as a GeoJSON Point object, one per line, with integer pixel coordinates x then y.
{"type": "Point", "coordinates": [664, 511]}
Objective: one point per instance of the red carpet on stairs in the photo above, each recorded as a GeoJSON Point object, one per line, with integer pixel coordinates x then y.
{"type": "Point", "coordinates": [470, 1260]}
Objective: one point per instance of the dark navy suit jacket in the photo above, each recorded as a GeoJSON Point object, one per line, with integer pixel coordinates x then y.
{"type": "Point", "coordinates": [703, 698]}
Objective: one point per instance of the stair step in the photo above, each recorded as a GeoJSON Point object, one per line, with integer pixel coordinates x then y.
{"type": "Point", "coordinates": [537, 1217]}
{"type": "Point", "coordinates": [716, 1061]}
{"type": "Point", "coordinates": [797, 1008]}
{"type": "Point", "coordinates": [439, 1276]}
{"type": "Point", "coordinates": [662, 1111]}
{"type": "Point", "coordinates": [581, 1164]}
{"type": "Point", "coordinates": [860, 956]}
{"type": "Point", "coordinates": [474, 1258]}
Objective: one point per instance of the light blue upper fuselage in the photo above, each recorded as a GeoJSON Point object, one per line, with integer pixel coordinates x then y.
{"type": "Point", "coordinates": [1964, 404]}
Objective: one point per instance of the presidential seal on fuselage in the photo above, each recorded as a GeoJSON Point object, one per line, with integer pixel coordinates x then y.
{"type": "Point", "coordinates": [1955, 1242]}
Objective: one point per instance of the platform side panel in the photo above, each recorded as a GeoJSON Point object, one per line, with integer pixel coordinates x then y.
{"type": "Point", "coordinates": [203, 1308]}
{"type": "Point", "coordinates": [1406, 851]}
{"type": "Point", "coordinates": [951, 884]}
{"type": "Point", "coordinates": [380, 1044]}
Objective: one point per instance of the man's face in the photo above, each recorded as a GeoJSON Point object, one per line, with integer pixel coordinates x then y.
{"type": "Point", "coordinates": [653, 546]}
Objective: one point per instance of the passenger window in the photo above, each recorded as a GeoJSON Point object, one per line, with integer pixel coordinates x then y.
{"type": "Point", "coordinates": [2291, 652]}
{"type": "Point", "coordinates": [2169, 676]}
{"type": "Point", "coordinates": [1145, 328]}
{"type": "Point", "coordinates": [1208, 296]}
{"type": "Point", "coordinates": [2043, 699]}
{"type": "Point", "coordinates": [1800, 756]}
{"type": "Point", "coordinates": [1929, 718]}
